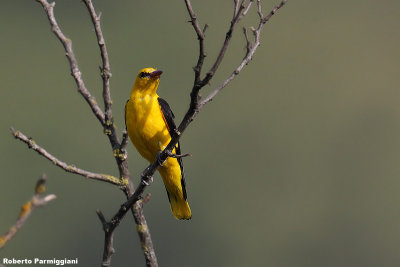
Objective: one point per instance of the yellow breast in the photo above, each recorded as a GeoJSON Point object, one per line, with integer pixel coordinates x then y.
{"type": "Point", "coordinates": [146, 126]}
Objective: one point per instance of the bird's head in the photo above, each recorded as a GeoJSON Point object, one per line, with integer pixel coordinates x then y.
{"type": "Point", "coordinates": [147, 80]}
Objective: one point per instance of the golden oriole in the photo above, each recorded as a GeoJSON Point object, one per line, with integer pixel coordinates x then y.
{"type": "Point", "coordinates": [150, 124]}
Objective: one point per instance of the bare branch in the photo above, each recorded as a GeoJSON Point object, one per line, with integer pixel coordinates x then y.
{"type": "Point", "coordinates": [273, 11]}
{"type": "Point", "coordinates": [124, 142]}
{"type": "Point", "coordinates": [141, 224]}
{"type": "Point", "coordinates": [142, 229]}
{"type": "Point", "coordinates": [238, 15]}
{"type": "Point", "coordinates": [36, 201]}
{"type": "Point", "coordinates": [235, 8]}
{"type": "Point", "coordinates": [259, 9]}
{"type": "Point", "coordinates": [67, 167]}
{"type": "Point", "coordinates": [110, 226]}
{"type": "Point", "coordinates": [106, 120]}
{"type": "Point", "coordinates": [120, 153]}
{"type": "Point", "coordinates": [246, 10]}
{"type": "Point", "coordinates": [200, 37]}
{"type": "Point", "coordinates": [105, 70]}
{"type": "Point", "coordinates": [109, 240]}
{"type": "Point", "coordinates": [250, 50]}
{"type": "Point", "coordinates": [248, 43]}
{"type": "Point", "coordinates": [75, 72]}
{"type": "Point", "coordinates": [147, 198]}
{"type": "Point", "coordinates": [240, 10]}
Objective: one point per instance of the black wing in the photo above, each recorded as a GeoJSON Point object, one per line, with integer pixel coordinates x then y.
{"type": "Point", "coordinates": [168, 115]}
{"type": "Point", "coordinates": [125, 114]}
{"type": "Point", "coordinates": [169, 119]}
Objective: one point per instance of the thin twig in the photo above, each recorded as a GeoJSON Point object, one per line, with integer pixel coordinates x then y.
{"type": "Point", "coordinates": [147, 198]}
{"type": "Point", "coordinates": [109, 240]}
{"type": "Point", "coordinates": [273, 11]}
{"type": "Point", "coordinates": [235, 7]}
{"type": "Point", "coordinates": [75, 72]}
{"type": "Point", "coordinates": [36, 201]}
{"type": "Point", "coordinates": [250, 50]}
{"type": "Point", "coordinates": [200, 37]}
{"type": "Point", "coordinates": [105, 69]}
{"type": "Point", "coordinates": [67, 167]}
{"type": "Point", "coordinates": [246, 10]}
{"type": "Point", "coordinates": [238, 15]}
{"type": "Point", "coordinates": [240, 10]}
{"type": "Point", "coordinates": [248, 43]}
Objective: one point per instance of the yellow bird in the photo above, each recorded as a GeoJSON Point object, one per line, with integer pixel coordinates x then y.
{"type": "Point", "coordinates": [150, 123]}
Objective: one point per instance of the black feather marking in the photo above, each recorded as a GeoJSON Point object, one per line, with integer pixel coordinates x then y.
{"type": "Point", "coordinates": [169, 119]}
{"type": "Point", "coordinates": [126, 104]}
{"type": "Point", "coordinates": [169, 198]}
{"type": "Point", "coordinates": [168, 115]}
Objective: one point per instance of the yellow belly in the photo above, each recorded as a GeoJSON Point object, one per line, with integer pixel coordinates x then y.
{"type": "Point", "coordinates": [146, 126]}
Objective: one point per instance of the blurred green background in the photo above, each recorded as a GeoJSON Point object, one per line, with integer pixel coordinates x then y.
{"type": "Point", "coordinates": [295, 163]}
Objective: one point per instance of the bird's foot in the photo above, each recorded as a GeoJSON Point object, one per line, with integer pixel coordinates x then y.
{"type": "Point", "coordinates": [177, 156]}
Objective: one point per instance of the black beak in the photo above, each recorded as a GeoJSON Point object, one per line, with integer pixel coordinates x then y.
{"type": "Point", "coordinates": [156, 73]}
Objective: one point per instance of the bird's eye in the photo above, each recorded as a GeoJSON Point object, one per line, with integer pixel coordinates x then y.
{"type": "Point", "coordinates": [143, 74]}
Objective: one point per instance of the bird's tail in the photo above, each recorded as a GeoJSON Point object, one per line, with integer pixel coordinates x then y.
{"type": "Point", "coordinates": [179, 206]}
{"type": "Point", "coordinates": [176, 191]}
